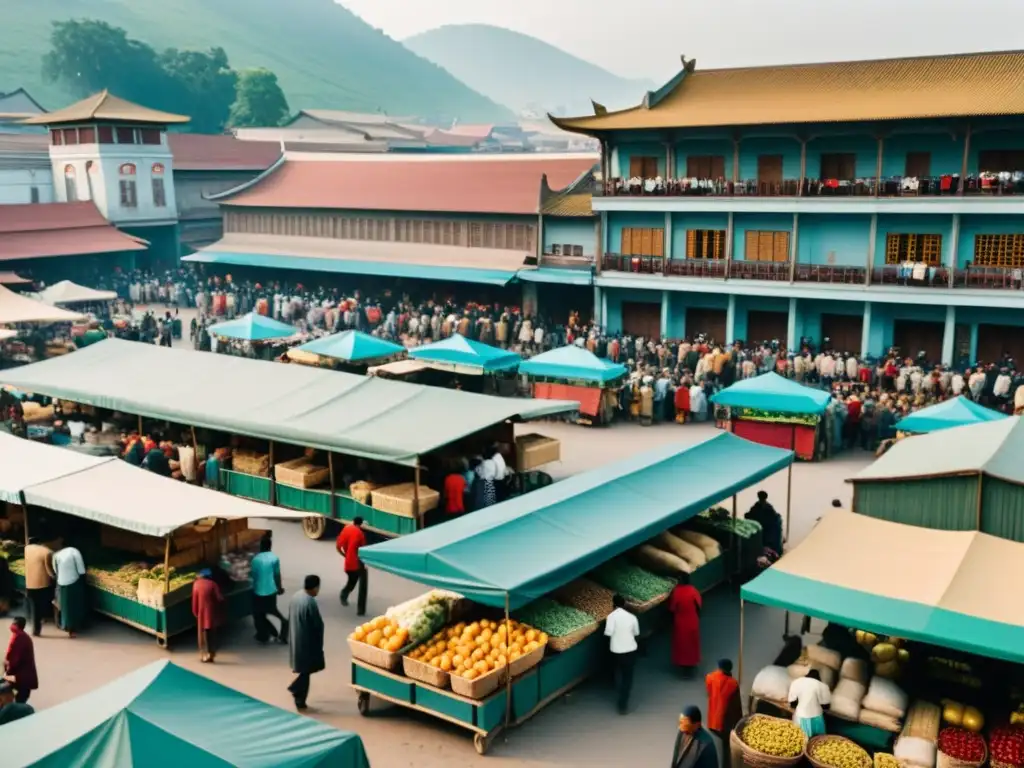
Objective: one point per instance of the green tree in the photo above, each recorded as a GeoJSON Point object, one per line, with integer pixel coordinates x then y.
{"type": "Point", "coordinates": [204, 85]}
{"type": "Point", "coordinates": [259, 100]}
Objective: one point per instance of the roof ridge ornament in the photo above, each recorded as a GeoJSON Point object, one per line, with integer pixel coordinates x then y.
{"type": "Point", "coordinates": [653, 98]}
{"type": "Point", "coordinates": [599, 109]}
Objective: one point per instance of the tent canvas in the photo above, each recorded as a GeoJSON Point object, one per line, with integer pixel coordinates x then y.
{"type": "Point", "coordinates": [162, 715]}
{"type": "Point", "coordinates": [457, 352]}
{"type": "Point", "coordinates": [371, 417]}
{"type": "Point", "coordinates": [532, 544]}
{"type": "Point", "coordinates": [956, 589]}
{"type": "Point", "coordinates": [24, 463]}
{"type": "Point", "coordinates": [958, 412]}
{"type": "Point", "coordinates": [352, 346]}
{"type": "Point", "coordinates": [992, 448]}
{"type": "Point", "coordinates": [572, 363]}
{"type": "Point", "coordinates": [774, 393]}
{"type": "Point", "coordinates": [15, 308]}
{"type": "Point", "coordinates": [67, 292]}
{"type": "Point", "coordinates": [253, 327]}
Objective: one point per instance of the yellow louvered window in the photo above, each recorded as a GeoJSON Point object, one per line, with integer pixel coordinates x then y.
{"type": "Point", "coordinates": [705, 243]}
{"type": "Point", "coordinates": [999, 251]}
{"type": "Point", "coordinates": [900, 248]}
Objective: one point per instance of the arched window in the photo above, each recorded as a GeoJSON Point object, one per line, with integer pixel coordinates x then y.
{"type": "Point", "coordinates": [129, 191]}
{"type": "Point", "coordinates": [70, 183]}
{"type": "Point", "coordinates": [159, 192]}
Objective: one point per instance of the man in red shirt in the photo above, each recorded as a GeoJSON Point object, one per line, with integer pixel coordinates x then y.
{"type": "Point", "coordinates": [349, 541]}
{"type": "Point", "coordinates": [724, 706]}
{"type": "Point", "coordinates": [455, 494]}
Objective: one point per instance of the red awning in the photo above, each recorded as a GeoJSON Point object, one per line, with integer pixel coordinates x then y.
{"type": "Point", "coordinates": [66, 242]}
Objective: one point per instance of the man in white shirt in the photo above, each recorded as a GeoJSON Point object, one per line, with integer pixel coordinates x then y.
{"type": "Point", "coordinates": [623, 629]}
{"type": "Point", "coordinates": [72, 600]}
{"type": "Point", "coordinates": [808, 697]}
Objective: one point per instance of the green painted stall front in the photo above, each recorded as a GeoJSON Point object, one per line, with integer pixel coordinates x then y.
{"type": "Point", "coordinates": [171, 620]}
{"type": "Point", "coordinates": [345, 509]}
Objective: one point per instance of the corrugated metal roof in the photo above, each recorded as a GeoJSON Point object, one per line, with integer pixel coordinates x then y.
{"type": "Point", "coordinates": [59, 229]}
{"type": "Point", "coordinates": [571, 205]}
{"type": "Point", "coordinates": [959, 85]}
{"type": "Point", "coordinates": [206, 152]}
{"type": "Point", "coordinates": [105, 106]}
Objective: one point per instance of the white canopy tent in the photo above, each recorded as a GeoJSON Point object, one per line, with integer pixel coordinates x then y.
{"type": "Point", "coordinates": [67, 292]}
{"type": "Point", "coordinates": [15, 308]}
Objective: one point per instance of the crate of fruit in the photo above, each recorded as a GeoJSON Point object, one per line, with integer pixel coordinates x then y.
{"type": "Point", "coordinates": [250, 462]}
{"type": "Point", "coordinates": [564, 625]}
{"type": "Point", "coordinates": [379, 642]}
{"type": "Point", "coordinates": [301, 473]}
{"type": "Point", "coordinates": [642, 589]}
{"type": "Point", "coordinates": [403, 500]}
{"type": "Point", "coordinates": [535, 450]}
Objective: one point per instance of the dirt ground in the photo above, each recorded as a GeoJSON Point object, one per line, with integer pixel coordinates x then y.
{"type": "Point", "coordinates": [583, 729]}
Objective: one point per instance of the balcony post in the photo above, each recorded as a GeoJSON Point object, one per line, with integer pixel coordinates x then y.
{"type": "Point", "coordinates": [792, 342]}
{"type": "Point", "coordinates": [667, 246]}
{"type": "Point", "coordinates": [665, 307]}
{"type": "Point", "coordinates": [872, 245]}
{"type": "Point", "coordinates": [878, 167]}
{"type": "Point", "coordinates": [605, 234]}
{"type": "Point", "coordinates": [803, 166]}
{"type": "Point", "coordinates": [735, 158]}
{"type": "Point", "coordinates": [730, 320]}
{"type": "Point", "coordinates": [598, 317]}
{"type": "Point", "coordinates": [865, 331]}
{"type": "Point", "coordinates": [973, 351]}
{"type": "Point", "coordinates": [604, 309]}
{"type": "Point", "coordinates": [669, 161]}
{"type": "Point", "coordinates": [599, 244]}
{"type": "Point", "coordinates": [963, 164]}
{"type": "Point", "coordinates": [954, 249]}
{"type": "Point", "coordinates": [793, 247]}
{"type": "Point", "coordinates": [949, 335]}
{"type": "Point", "coordinates": [729, 237]}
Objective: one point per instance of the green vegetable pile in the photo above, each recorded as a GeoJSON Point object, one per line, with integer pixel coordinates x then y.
{"type": "Point", "coordinates": [554, 618]}
{"type": "Point", "coordinates": [719, 519]}
{"type": "Point", "coordinates": [429, 621]}
{"type": "Point", "coordinates": [11, 550]}
{"type": "Point", "coordinates": [631, 581]}
{"type": "Point", "coordinates": [18, 567]}
{"type": "Point", "coordinates": [754, 414]}
{"type": "Point", "coordinates": [123, 578]}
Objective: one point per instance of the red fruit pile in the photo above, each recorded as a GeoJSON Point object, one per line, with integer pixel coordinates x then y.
{"type": "Point", "coordinates": [962, 744]}
{"type": "Point", "coordinates": [1007, 744]}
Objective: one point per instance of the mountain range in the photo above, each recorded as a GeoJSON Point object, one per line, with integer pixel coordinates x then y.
{"type": "Point", "coordinates": [524, 73]}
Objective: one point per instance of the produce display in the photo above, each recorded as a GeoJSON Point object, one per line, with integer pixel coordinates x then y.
{"type": "Point", "coordinates": [773, 736]}
{"type": "Point", "coordinates": [923, 721]}
{"type": "Point", "coordinates": [1016, 717]}
{"type": "Point", "coordinates": [720, 519]}
{"type": "Point", "coordinates": [773, 417]}
{"type": "Point", "coordinates": [383, 633]}
{"type": "Point", "coordinates": [591, 598]}
{"type": "Point", "coordinates": [553, 618]}
{"type": "Point", "coordinates": [955, 713]}
{"type": "Point", "coordinates": [631, 581]}
{"type": "Point", "coordinates": [952, 671]}
{"type": "Point", "coordinates": [961, 744]}
{"type": "Point", "coordinates": [17, 566]}
{"type": "Point", "coordinates": [424, 615]}
{"type": "Point", "coordinates": [11, 550]}
{"type": "Point", "coordinates": [887, 653]}
{"type": "Point", "coordinates": [839, 753]}
{"type": "Point", "coordinates": [123, 578]}
{"type": "Point", "coordinates": [1006, 745]}
{"type": "Point", "coordinates": [477, 648]}
{"type": "Point", "coordinates": [885, 760]}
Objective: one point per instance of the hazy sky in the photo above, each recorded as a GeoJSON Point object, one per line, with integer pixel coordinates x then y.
{"type": "Point", "coordinates": [644, 38]}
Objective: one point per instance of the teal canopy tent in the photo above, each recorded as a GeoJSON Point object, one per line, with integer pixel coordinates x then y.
{"type": "Point", "coordinates": [163, 716]}
{"type": "Point", "coordinates": [253, 327]}
{"type": "Point", "coordinates": [957, 412]}
{"type": "Point", "coordinates": [465, 355]}
{"type": "Point", "coordinates": [352, 347]}
{"type": "Point", "coordinates": [574, 364]}
{"type": "Point", "coordinates": [524, 548]}
{"type": "Point", "coordinates": [774, 393]}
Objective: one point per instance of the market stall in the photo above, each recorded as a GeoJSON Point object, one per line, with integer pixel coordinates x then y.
{"type": "Point", "coordinates": [164, 716]}
{"type": "Point", "coordinates": [145, 539]}
{"type": "Point", "coordinates": [576, 373]}
{"type": "Point", "coordinates": [314, 424]}
{"type": "Point", "coordinates": [545, 566]}
{"type": "Point", "coordinates": [255, 333]}
{"type": "Point", "coordinates": [773, 410]}
{"type": "Point", "coordinates": [957, 412]}
{"type": "Point", "coordinates": [930, 635]}
{"type": "Point", "coordinates": [348, 349]}
{"type": "Point", "coordinates": [66, 292]}
{"type": "Point", "coordinates": [490, 369]}
{"type": "Point", "coordinates": [960, 479]}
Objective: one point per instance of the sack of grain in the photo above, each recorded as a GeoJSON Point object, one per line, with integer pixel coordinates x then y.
{"type": "Point", "coordinates": [825, 656]}
{"type": "Point", "coordinates": [828, 675]}
{"type": "Point", "coordinates": [845, 707]}
{"type": "Point", "coordinates": [660, 561]}
{"type": "Point", "coordinates": [679, 547]}
{"type": "Point", "coordinates": [707, 545]}
{"type": "Point", "coordinates": [587, 596]}
{"type": "Point", "coordinates": [915, 751]}
{"type": "Point", "coordinates": [885, 697]}
{"type": "Point", "coordinates": [846, 698]}
{"type": "Point", "coordinates": [878, 720]}
{"type": "Point", "coordinates": [772, 683]}
{"type": "Point", "coordinates": [923, 721]}
{"type": "Point", "coordinates": [855, 669]}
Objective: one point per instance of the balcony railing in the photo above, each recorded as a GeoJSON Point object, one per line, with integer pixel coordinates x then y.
{"type": "Point", "coordinates": [895, 186]}
{"type": "Point", "coordinates": [565, 261]}
{"type": "Point", "coordinates": [997, 278]}
{"type": "Point", "coordinates": [759, 270]}
{"type": "Point", "coordinates": [921, 276]}
{"type": "Point", "coordinates": [829, 273]}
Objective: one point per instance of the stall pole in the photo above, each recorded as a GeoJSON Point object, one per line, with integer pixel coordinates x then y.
{"type": "Point", "coordinates": [330, 469]}
{"type": "Point", "coordinates": [24, 509]}
{"type": "Point", "coordinates": [140, 425]}
{"type": "Point", "coordinates": [739, 665]}
{"type": "Point", "coordinates": [508, 668]}
{"type": "Point", "coordinates": [273, 483]}
{"type": "Point", "coordinates": [167, 563]}
{"type": "Point", "coordinates": [735, 539]}
{"type": "Point", "coordinates": [789, 482]}
{"type": "Point", "coordinates": [416, 495]}
{"type": "Point", "coordinates": [980, 476]}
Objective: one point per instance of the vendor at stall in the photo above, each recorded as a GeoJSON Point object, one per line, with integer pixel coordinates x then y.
{"type": "Point", "coordinates": [809, 698]}
{"type": "Point", "coordinates": [685, 605]}
{"type": "Point", "coordinates": [771, 522]}
{"type": "Point", "coordinates": [72, 598]}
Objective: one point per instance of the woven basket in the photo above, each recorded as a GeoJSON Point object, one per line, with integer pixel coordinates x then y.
{"type": "Point", "coordinates": [361, 490]}
{"type": "Point", "coordinates": [942, 760]}
{"type": "Point", "coordinates": [425, 673]}
{"type": "Point", "coordinates": [480, 688]}
{"type": "Point", "coordinates": [527, 661]}
{"type": "Point", "coordinates": [825, 739]}
{"type": "Point", "coordinates": [637, 607]}
{"type": "Point", "coordinates": [301, 473]}
{"type": "Point", "coordinates": [755, 759]}
{"type": "Point", "coordinates": [895, 760]}
{"type": "Point", "coordinates": [401, 500]}
{"type": "Point", "coordinates": [565, 642]}
{"type": "Point", "coordinates": [1000, 764]}
{"type": "Point", "coordinates": [375, 656]}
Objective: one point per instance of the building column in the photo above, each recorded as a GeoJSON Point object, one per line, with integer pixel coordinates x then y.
{"type": "Point", "coordinates": [665, 307]}
{"type": "Point", "coordinates": [803, 166]}
{"type": "Point", "coordinates": [598, 317]}
{"type": "Point", "coordinates": [604, 310]}
{"type": "Point", "coordinates": [792, 341]}
{"type": "Point", "coordinates": [963, 163]}
{"type": "Point", "coordinates": [872, 245]}
{"type": "Point", "coordinates": [735, 159]}
{"type": "Point", "coordinates": [954, 248]}
{"type": "Point", "coordinates": [667, 250]}
{"type": "Point", "coordinates": [530, 299]}
{"type": "Point", "coordinates": [730, 234]}
{"type": "Point", "coordinates": [605, 234]}
{"type": "Point", "coordinates": [973, 353]}
{"type": "Point", "coordinates": [878, 167]}
{"type": "Point", "coordinates": [730, 320]}
{"type": "Point", "coordinates": [865, 331]}
{"type": "Point", "coordinates": [794, 247]}
{"type": "Point", "coordinates": [949, 336]}
{"type": "Point", "coordinates": [669, 161]}
{"type": "Point", "coordinates": [613, 171]}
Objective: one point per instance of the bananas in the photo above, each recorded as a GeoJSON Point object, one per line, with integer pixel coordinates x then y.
{"type": "Point", "coordinates": [773, 736]}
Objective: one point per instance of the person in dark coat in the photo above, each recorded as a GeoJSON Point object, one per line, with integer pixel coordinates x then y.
{"type": "Point", "coordinates": [305, 639]}
{"type": "Point", "coordinates": [695, 748]}
{"type": "Point", "coordinates": [770, 520]}
{"type": "Point", "coordinates": [208, 608]}
{"type": "Point", "coordinates": [20, 662]}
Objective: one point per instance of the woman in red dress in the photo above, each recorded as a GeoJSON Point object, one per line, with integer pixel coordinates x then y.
{"type": "Point", "coordinates": [685, 603]}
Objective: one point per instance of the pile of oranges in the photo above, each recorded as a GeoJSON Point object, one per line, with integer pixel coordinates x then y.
{"type": "Point", "coordinates": [383, 633]}
{"type": "Point", "coordinates": [477, 648]}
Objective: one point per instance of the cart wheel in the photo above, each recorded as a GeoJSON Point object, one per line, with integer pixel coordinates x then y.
{"type": "Point", "coordinates": [314, 527]}
{"type": "Point", "coordinates": [481, 743]}
{"type": "Point", "coordinates": [363, 703]}
{"type": "Point", "coordinates": [162, 642]}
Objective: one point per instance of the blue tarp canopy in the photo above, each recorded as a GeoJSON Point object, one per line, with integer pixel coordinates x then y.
{"type": "Point", "coordinates": [352, 346]}
{"type": "Point", "coordinates": [774, 393]}
{"type": "Point", "coordinates": [573, 363]}
{"type": "Point", "coordinates": [532, 544]}
{"type": "Point", "coordinates": [253, 327]}
{"type": "Point", "coordinates": [459, 352]}
{"type": "Point", "coordinates": [163, 716]}
{"type": "Point", "coordinates": [557, 276]}
{"type": "Point", "coordinates": [956, 589]}
{"type": "Point", "coordinates": [957, 412]}
{"type": "Point", "coordinates": [354, 267]}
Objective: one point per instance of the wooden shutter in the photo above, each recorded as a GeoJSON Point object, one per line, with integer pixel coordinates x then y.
{"type": "Point", "coordinates": [650, 167]}
{"type": "Point", "coordinates": [658, 242]}
{"type": "Point", "coordinates": [717, 167]}
{"type": "Point", "coordinates": [848, 166]}
{"type": "Point", "coordinates": [930, 251]}
{"type": "Point", "coordinates": [691, 243]}
{"type": "Point", "coordinates": [645, 242]}
{"type": "Point", "coordinates": [919, 164]}
{"type": "Point", "coordinates": [626, 248]}
{"type": "Point", "coordinates": [636, 167]}
{"type": "Point", "coordinates": [766, 246]}
{"type": "Point", "coordinates": [838, 165]}
{"type": "Point", "coordinates": [769, 169]}
{"type": "Point", "coordinates": [781, 246]}
{"type": "Point", "coordinates": [752, 246]}
{"type": "Point", "coordinates": [695, 167]}
{"type": "Point", "coordinates": [718, 244]}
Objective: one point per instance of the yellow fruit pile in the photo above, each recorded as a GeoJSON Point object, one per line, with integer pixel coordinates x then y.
{"type": "Point", "coordinates": [840, 753]}
{"type": "Point", "coordinates": [885, 760]}
{"type": "Point", "coordinates": [774, 736]}
{"type": "Point", "coordinates": [383, 633]}
{"type": "Point", "coordinates": [475, 649]}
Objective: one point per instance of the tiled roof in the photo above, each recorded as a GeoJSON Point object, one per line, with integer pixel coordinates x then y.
{"type": "Point", "coordinates": [480, 132]}
{"type": "Point", "coordinates": [573, 204]}
{"type": "Point", "coordinates": [25, 144]}
{"type": "Point", "coordinates": [959, 85]}
{"type": "Point", "coordinates": [206, 152]}
{"type": "Point", "coordinates": [105, 106]}
{"type": "Point", "coordinates": [59, 229]}
{"type": "Point", "coordinates": [465, 184]}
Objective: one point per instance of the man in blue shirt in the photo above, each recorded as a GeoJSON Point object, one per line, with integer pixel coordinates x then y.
{"type": "Point", "coordinates": [266, 586]}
